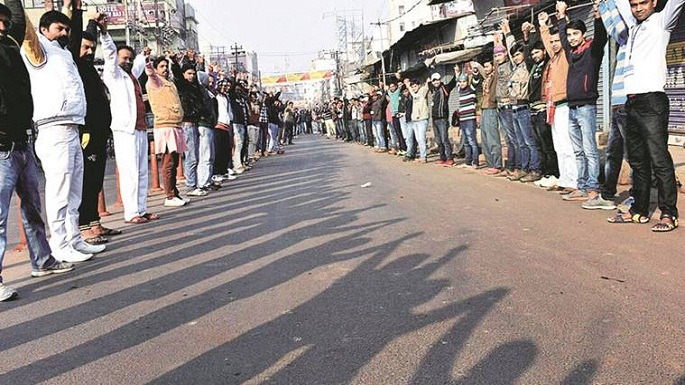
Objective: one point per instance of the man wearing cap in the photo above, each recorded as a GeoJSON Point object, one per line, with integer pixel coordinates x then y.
{"type": "Point", "coordinates": [440, 113]}
{"type": "Point", "coordinates": [505, 114]}
{"type": "Point", "coordinates": [18, 169]}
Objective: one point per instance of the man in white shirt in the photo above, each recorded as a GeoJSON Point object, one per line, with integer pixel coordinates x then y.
{"type": "Point", "coordinates": [648, 109]}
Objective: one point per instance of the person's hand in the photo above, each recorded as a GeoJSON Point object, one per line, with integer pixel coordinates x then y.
{"type": "Point", "coordinates": [497, 38]}
{"type": "Point", "coordinates": [543, 18]}
{"type": "Point", "coordinates": [504, 26]}
{"type": "Point", "coordinates": [561, 9]}
{"type": "Point", "coordinates": [457, 70]}
{"type": "Point", "coordinates": [78, 4]}
{"type": "Point", "coordinates": [595, 9]}
{"type": "Point", "coordinates": [147, 51]}
{"type": "Point", "coordinates": [526, 28]}
{"type": "Point", "coordinates": [65, 5]}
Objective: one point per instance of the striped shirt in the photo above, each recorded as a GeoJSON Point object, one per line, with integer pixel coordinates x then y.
{"type": "Point", "coordinates": [617, 21]}
{"type": "Point", "coordinates": [467, 103]}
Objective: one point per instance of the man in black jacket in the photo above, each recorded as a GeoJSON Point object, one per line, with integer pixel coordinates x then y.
{"type": "Point", "coordinates": [441, 114]}
{"type": "Point", "coordinates": [95, 132]}
{"type": "Point", "coordinates": [584, 58]}
{"type": "Point", "coordinates": [18, 168]}
{"type": "Point", "coordinates": [192, 100]}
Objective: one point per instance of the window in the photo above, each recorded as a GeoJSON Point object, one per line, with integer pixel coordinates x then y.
{"type": "Point", "coordinates": [401, 27]}
{"type": "Point", "coordinates": [401, 9]}
{"type": "Point", "coordinates": [33, 3]}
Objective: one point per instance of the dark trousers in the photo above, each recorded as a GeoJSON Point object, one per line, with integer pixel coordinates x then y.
{"type": "Point", "coordinates": [647, 145]}
{"type": "Point", "coordinates": [169, 166]}
{"type": "Point", "coordinates": [231, 147]}
{"type": "Point", "coordinates": [222, 151]}
{"type": "Point", "coordinates": [401, 143]}
{"type": "Point", "coordinates": [543, 139]}
{"type": "Point", "coordinates": [368, 126]}
{"type": "Point", "coordinates": [615, 151]}
{"type": "Point", "coordinates": [94, 161]}
{"type": "Point", "coordinates": [288, 136]}
{"type": "Point", "coordinates": [243, 151]}
{"type": "Point", "coordinates": [263, 137]}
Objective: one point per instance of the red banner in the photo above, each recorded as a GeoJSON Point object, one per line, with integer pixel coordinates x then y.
{"type": "Point", "coordinates": [115, 13]}
{"type": "Point", "coordinates": [509, 3]}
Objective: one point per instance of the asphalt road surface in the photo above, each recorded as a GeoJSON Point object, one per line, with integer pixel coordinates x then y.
{"type": "Point", "coordinates": [294, 274]}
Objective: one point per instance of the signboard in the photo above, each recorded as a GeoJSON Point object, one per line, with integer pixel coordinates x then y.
{"type": "Point", "coordinates": [457, 8]}
{"type": "Point", "coordinates": [116, 16]}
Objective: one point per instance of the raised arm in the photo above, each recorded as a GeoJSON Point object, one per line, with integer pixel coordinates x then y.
{"type": "Point", "coordinates": [670, 14]}
{"type": "Point", "coordinates": [153, 78]}
{"type": "Point", "coordinates": [76, 16]}
{"type": "Point", "coordinates": [31, 45]}
{"type": "Point", "coordinates": [139, 62]}
{"type": "Point", "coordinates": [600, 38]}
{"type": "Point", "coordinates": [561, 15]}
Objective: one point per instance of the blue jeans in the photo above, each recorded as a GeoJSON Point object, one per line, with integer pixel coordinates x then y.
{"type": "Point", "coordinates": [468, 129]}
{"type": "Point", "coordinates": [379, 132]}
{"type": "Point", "coordinates": [491, 141]}
{"type": "Point", "coordinates": [192, 153]}
{"type": "Point", "coordinates": [18, 171]}
{"type": "Point", "coordinates": [441, 132]}
{"type": "Point", "coordinates": [394, 143]}
{"type": "Point", "coordinates": [582, 124]}
{"type": "Point", "coordinates": [205, 168]}
{"type": "Point", "coordinates": [418, 128]}
{"type": "Point", "coordinates": [506, 122]}
{"type": "Point", "coordinates": [528, 147]}
{"type": "Point", "coordinates": [615, 152]}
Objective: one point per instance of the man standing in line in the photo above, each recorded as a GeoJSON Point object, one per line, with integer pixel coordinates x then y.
{"type": "Point", "coordinates": [60, 107]}
{"type": "Point", "coordinates": [554, 81]}
{"type": "Point", "coordinates": [129, 127]}
{"type": "Point", "coordinates": [96, 131]}
{"type": "Point", "coordinates": [585, 59]}
{"type": "Point", "coordinates": [168, 112]}
{"type": "Point", "coordinates": [648, 110]}
{"type": "Point", "coordinates": [489, 126]}
{"type": "Point", "coordinates": [440, 113]}
{"type": "Point", "coordinates": [18, 168]}
{"type": "Point", "coordinates": [192, 101]}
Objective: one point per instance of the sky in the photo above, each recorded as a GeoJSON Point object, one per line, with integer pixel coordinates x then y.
{"type": "Point", "coordinates": [286, 34]}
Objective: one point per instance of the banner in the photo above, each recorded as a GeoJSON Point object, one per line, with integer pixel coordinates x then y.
{"type": "Point", "coordinates": [299, 77]}
{"type": "Point", "coordinates": [116, 16]}
{"type": "Point", "coordinates": [509, 3]}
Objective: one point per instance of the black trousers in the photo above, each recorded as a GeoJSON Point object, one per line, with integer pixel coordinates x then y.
{"type": "Point", "coordinates": [368, 125]}
{"type": "Point", "coordinates": [401, 143]}
{"type": "Point", "coordinates": [263, 137]}
{"type": "Point", "coordinates": [288, 136]}
{"type": "Point", "coordinates": [543, 139]}
{"type": "Point", "coordinates": [222, 151]}
{"type": "Point", "coordinates": [94, 162]}
{"type": "Point", "coordinates": [647, 147]}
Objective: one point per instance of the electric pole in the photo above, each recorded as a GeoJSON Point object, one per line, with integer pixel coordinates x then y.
{"type": "Point", "coordinates": [237, 50]}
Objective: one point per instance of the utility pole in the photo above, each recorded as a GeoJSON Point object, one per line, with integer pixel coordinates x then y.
{"type": "Point", "coordinates": [237, 50]}
{"type": "Point", "coordinates": [127, 22]}
{"type": "Point", "coordinates": [158, 29]}
{"type": "Point", "coordinates": [379, 24]}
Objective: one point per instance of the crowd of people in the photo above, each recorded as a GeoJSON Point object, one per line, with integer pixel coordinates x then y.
{"type": "Point", "coordinates": [540, 94]}
{"type": "Point", "coordinates": [217, 125]}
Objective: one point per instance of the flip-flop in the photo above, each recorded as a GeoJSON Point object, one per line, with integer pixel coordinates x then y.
{"type": "Point", "coordinates": [108, 231]}
{"type": "Point", "coordinates": [137, 220]}
{"type": "Point", "coordinates": [150, 216]}
{"type": "Point", "coordinates": [97, 240]}
{"type": "Point", "coordinates": [636, 218]}
{"type": "Point", "coordinates": [664, 227]}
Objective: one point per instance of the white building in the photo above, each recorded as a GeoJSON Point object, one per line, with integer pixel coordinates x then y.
{"type": "Point", "coordinates": [404, 16]}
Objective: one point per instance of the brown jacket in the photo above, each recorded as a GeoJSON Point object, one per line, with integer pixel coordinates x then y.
{"type": "Point", "coordinates": [556, 73]}
{"type": "Point", "coordinates": [164, 102]}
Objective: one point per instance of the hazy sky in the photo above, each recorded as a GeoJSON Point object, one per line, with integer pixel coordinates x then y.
{"type": "Point", "coordinates": [286, 34]}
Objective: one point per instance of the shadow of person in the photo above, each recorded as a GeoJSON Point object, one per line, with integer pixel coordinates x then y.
{"type": "Point", "coordinates": [503, 365]}
{"type": "Point", "coordinates": [582, 373]}
{"type": "Point", "coordinates": [337, 332]}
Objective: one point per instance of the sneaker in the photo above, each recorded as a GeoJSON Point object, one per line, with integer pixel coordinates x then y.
{"type": "Point", "coordinates": [598, 203]}
{"type": "Point", "coordinates": [541, 182]}
{"type": "Point", "coordinates": [576, 195]}
{"type": "Point", "coordinates": [174, 202]}
{"type": "Point", "coordinates": [231, 171]}
{"type": "Point", "coordinates": [549, 181]}
{"type": "Point", "coordinates": [85, 248]}
{"type": "Point", "coordinates": [58, 268]}
{"type": "Point", "coordinates": [198, 192]}
{"type": "Point", "coordinates": [531, 177]}
{"type": "Point", "coordinates": [215, 186]}
{"type": "Point", "coordinates": [228, 176]}
{"type": "Point", "coordinates": [518, 175]}
{"type": "Point", "coordinates": [217, 178]}
{"type": "Point", "coordinates": [70, 255]}
{"type": "Point", "coordinates": [7, 293]}
{"type": "Point", "coordinates": [239, 170]}
{"type": "Point", "coordinates": [420, 160]}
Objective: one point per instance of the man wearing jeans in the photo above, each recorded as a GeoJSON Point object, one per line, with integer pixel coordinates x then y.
{"type": "Point", "coordinates": [648, 110]}
{"type": "Point", "coordinates": [489, 125]}
{"type": "Point", "coordinates": [17, 165]}
{"type": "Point", "coordinates": [192, 101]}
{"type": "Point", "coordinates": [585, 59]}
{"type": "Point", "coordinates": [441, 114]}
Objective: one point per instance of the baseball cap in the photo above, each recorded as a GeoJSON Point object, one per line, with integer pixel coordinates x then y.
{"type": "Point", "coordinates": [436, 76]}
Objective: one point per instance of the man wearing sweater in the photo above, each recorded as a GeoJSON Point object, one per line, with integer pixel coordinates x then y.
{"type": "Point", "coordinates": [60, 107]}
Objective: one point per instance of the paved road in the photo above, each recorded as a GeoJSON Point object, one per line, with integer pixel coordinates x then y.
{"type": "Point", "coordinates": [294, 274]}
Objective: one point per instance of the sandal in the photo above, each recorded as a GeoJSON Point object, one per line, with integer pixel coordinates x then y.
{"type": "Point", "coordinates": [150, 216]}
{"type": "Point", "coordinates": [98, 240]}
{"type": "Point", "coordinates": [664, 227]}
{"type": "Point", "coordinates": [635, 218]}
{"type": "Point", "coordinates": [108, 231]}
{"type": "Point", "coordinates": [137, 220]}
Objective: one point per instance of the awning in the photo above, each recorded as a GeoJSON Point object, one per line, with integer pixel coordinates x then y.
{"type": "Point", "coordinates": [453, 57]}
